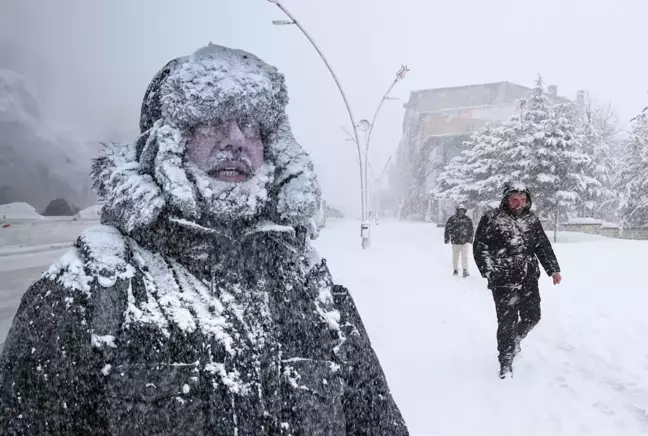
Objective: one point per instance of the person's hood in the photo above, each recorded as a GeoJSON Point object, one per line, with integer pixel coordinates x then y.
{"type": "Point", "coordinates": [513, 188]}
{"type": "Point", "coordinates": [139, 182]}
{"type": "Point", "coordinates": [461, 207]}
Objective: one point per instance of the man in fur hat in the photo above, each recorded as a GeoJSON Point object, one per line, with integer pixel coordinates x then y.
{"type": "Point", "coordinates": [198, 306]}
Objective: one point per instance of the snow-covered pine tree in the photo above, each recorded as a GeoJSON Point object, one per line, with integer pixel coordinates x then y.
{"type": "Point", "coordinates": [562, 165]}
{"type": "Point", "coordinates": [633, 180]}
{"type": "Point", "coordinates": [595, 145]}
{"type": "Point", "coordinates": [511, 157]}
{"type": "Point", "coordinates": [452, 180]}
{"type": "Point", "coordinates": [483, 165]}
{"type": "Point", "coordinates": [493, 156]}
{"type": "Point", "coordinates": [539, 106]}
{"type": "Point", "coordinates": [455, 179]}
{"type": "Point", "coordinates": [530, 139]}
{"type": "Point", "coordinates": [606, 122]}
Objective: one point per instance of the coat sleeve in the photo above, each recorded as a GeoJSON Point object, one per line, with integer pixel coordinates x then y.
{"type": "Point", "coordinates": [544, 250]}
{"type": "Point", "coordinates": [47, 373]}
{"type": "Point", "coordinates": [481, 252]}
{"type": "Point", "coordinates": [448, 230]}
{"type": "Point", "coordinates": [368, 403]}
{"type": "Point", "coordinates": [471, 231]}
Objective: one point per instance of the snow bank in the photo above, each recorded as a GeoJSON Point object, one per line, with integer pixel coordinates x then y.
{"type": "Point", "coordinates": [89, 213]}
{"type": "Point", "coordinates": [583, 220]}
{"type": "Point", "coordinates": [19, 212]}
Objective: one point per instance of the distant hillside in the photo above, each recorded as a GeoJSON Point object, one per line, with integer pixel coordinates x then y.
{"type": "Point", "coordinates": [37, 163]}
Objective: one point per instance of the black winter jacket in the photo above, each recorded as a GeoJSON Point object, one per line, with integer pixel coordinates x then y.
{"type": "Point", "coordinates": [507, 248]}
{"type": "Point", "coordinates": [128, 337]}
{"type": "Point", "coordinates": [459, 230]}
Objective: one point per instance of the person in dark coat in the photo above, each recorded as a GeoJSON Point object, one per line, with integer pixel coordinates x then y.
{"type": "Point", "coordinates": [508, 244]}
{"type": "Point", "coordinates": [459, 231]}
{"type": "Point", "coordinates": [198, 306]}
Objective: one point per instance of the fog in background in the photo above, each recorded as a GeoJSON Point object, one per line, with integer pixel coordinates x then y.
{"type": "Point", "coordinates": [91, 60]}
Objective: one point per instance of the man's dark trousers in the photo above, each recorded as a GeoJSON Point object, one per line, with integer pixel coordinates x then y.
{"type": "Point", "coordinates": [518, 311]}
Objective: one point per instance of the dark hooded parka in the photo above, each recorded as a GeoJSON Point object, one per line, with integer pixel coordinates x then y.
{"type": "Point", "coordinates": [196, 307]}
{"type": "Point", "coordinates": [507, 247]}
{"type": "Point", "coordinates": [459, 229]}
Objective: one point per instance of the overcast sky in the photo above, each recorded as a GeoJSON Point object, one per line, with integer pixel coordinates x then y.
{"type": "Point", "coordinates": [101, 54]}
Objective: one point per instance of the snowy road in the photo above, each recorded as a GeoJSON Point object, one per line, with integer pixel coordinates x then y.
{"type": "Point", "coordinates": [584, 370]}
{"type": "Point", "coordinates": [26, 249]}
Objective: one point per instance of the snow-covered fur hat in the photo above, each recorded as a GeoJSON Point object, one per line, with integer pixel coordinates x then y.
{"type": "Point", "coordinates": [136, 182]}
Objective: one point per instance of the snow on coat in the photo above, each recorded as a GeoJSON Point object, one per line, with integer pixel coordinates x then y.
{"type": "Point", "coordinates": [507, 247]}
{"type": "Point", "coordinates": [459, 230]}
{"type": "Point", "coordinates": [196, 308]}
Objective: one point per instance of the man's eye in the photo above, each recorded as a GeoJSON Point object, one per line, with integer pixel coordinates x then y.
{"type": "Point", "coordinates": [251, 131]}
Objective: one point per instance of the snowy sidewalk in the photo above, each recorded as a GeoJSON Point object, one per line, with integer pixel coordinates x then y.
{"type": "Point", "coordinates": [583, 370]}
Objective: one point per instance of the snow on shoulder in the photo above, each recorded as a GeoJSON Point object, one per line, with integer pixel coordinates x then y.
{"type": "Point", "coordinates": [99, 251]}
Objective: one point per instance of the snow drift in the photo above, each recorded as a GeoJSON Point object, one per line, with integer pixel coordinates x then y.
{"type": "Point", "coordinates": [19, 212]}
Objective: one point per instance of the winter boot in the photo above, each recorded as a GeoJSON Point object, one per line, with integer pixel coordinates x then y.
{"type": "Point", "coordinates": [466, 273]}
{"type": "Point", "coordinates": [506, 367]}
{"type": "Point", "coordinates": [455, 273]}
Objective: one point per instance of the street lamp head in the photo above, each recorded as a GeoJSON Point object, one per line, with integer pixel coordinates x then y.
{"type": "Point", "coordinates": [401, 73]}
{"type": "Point", "coordinates": [364, 125]}
{"type": "Point", "coordinates": [282, 22]}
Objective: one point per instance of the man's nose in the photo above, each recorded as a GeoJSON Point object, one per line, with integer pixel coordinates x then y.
{"type": "Point", "coordinates": [235, 140]}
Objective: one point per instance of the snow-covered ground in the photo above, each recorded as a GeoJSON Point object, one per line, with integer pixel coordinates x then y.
{"type": "Point", "coordinates": [584, 370]}
{"type": "Point", "coordinates": [89, 213]}
{"type": "Point", "coordinates": [18, 212]}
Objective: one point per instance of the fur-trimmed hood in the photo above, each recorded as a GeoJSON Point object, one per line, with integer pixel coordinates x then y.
{"type": "Point", "coordinates": [141, 181]}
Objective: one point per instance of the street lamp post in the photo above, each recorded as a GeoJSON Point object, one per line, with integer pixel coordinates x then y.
{"type": "Point", "coordinates": [364, 227]}
{"type": "Point", "coordinates": [364, 125]}
{"type": "Point", "coordinates": [400, 74]}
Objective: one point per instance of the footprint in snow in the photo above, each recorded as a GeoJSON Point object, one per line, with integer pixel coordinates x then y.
{"type": "Point", "coordinates": [603, 408]}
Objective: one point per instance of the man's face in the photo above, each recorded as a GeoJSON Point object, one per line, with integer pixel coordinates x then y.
{"type": "Point", "coordinates": [461, 212]}
{"type": "Point", "coordinates": [517, 202]}
{"type": "Point", "coordinates": [229, 151]}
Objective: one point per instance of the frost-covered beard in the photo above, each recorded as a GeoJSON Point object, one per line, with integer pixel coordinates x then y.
{"type": "Point", "coordinates": [226, 202]}
{"type": "Point", "coordinates": [229, 163]}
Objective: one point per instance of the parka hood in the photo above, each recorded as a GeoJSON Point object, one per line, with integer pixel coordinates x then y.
{"type": "Point", "coordinates": [516, 187]}
{"type": "Point", "coordinates": [141, 181]}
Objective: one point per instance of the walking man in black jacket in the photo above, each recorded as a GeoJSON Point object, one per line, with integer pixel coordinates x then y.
{"type": "Point", "coordinates": [508, 244]}
{"type": "Point", "coordinates": [459, 231]}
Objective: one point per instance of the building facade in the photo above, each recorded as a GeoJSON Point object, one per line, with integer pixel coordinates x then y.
{"type": "Point", "coordinates": [440, 120]}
